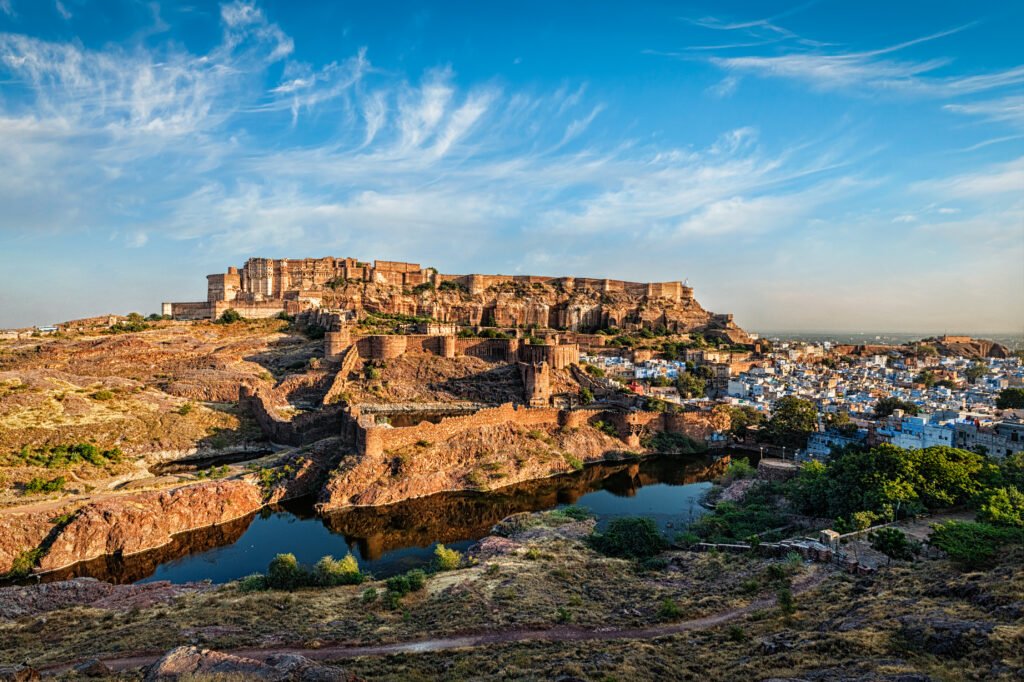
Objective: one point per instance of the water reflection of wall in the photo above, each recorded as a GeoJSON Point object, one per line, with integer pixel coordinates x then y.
{"type": "Point", "coordinates": [448, 517]}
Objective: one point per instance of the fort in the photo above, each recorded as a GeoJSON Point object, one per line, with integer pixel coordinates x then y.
{"type": "Point", "coordinates": [265, 287]}
{"type": "Point", "coordinates": [518, 337]}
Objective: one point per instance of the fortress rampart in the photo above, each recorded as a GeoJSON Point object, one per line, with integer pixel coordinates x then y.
{"type": "Point", "coordinates": [265, 284]}
{"type": "Point", "coordinates": [376, 440]}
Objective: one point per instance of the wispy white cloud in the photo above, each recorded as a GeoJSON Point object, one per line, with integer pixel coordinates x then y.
{"type": "Point", "coordinates": [7, 8]}
{"type": "Point", "coordinates": [725, 87]}
{"type": "Point", "coordinates": [62, 10]}
{"type": "Point", "coordinates": [985, 184]}
{"type": "Point", "coordinates": [1005, 109]}
{"type": "Point", "coordinates": [871, 70]}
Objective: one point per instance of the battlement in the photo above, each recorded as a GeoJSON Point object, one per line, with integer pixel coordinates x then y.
{"type": "Point", "coordinates": [267, 278]}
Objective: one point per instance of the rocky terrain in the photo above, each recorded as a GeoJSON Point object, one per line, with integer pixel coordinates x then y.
{"type": "Point", "coordinates": [535, 601]}
{"type": "Point", "coordinates": [484, 458]}
{"type": "Point", "coordinates": [547, 305]}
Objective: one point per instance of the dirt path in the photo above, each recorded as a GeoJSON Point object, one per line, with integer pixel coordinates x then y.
{"type": "Point", "coordinates": [561, 633]}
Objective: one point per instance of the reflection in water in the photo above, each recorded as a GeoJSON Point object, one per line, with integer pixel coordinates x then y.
{"type": "Point", "coordinates": [391, 539]}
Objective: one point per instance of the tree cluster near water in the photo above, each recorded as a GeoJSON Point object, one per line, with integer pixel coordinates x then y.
{"type": "Point", "coordinates": [792, 422]}
{"type": "Point", "coordinates": [859, 488]}
{"type": "Point", "coordinates": [886, 482]}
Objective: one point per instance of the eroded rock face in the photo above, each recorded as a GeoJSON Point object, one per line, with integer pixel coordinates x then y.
{"type": "Point", "coordinates": [22, 532]}
{"type": "Point", "coordinates": [139, 522]}
{"type": "Point", "coordinates": [189, 661]}
{"type": "Point", "coordinates": [489, 457]}
{"type": "Point", "coordinates": [133, 523]}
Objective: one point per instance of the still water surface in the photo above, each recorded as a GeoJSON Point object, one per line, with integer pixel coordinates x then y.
{"type": "Point", "coordinates": [392, 539]}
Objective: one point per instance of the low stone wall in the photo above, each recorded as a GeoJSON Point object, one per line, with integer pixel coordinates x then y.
{"type": "Point", "coordinates": [777, 470]}
{"type": "Point", "coordinates": [189, 311]}
{"type": "Point", "coordinates": [697, 424]}
{"type": "Point", "coordinates": [304, 428]}
{"type": "Point", "coordinates": [252, 311]}
{"type": "Point", "coordinates": [373, 440]}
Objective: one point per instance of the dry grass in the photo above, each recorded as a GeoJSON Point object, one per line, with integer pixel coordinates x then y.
{"type": "Point", "coordinates": [847, 627]}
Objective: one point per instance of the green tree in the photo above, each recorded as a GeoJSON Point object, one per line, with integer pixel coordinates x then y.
{"type": "Point", "coordinates": [690, 385]}
{"type": "Point", "coordinates": [1003, 507]}
{"type": "Point", "coordinates": [1010, 398]}
{"type": "Point", "coordinates": [792, 422]}
{"type": "Point", "coordinates": [841, 422]}
{"type": "Point", "coordinates": [886, 406]}
{"type": "Point", "coordinates": [926, 377]}
{"type": "Point", "coordinates": [742, 418]}
{"type": "Point", "coordinates": [808, 491]}
{"type": "Point", "coordinates": [633, 538]}
{"type": "Point", "coordinates": [976, 371]}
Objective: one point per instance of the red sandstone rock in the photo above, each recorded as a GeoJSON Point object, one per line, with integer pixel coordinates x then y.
{"type": "Point", "coordinates": [191, 662]}
{"type": "Point", "coordinates": [144, 521]}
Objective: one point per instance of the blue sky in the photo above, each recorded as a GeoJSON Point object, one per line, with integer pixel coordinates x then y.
{"type": "Point", "coordinates": [815, 165]}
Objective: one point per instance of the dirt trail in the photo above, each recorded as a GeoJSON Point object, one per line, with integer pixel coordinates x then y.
{"type": "Point", "coordinates": [562, 633]}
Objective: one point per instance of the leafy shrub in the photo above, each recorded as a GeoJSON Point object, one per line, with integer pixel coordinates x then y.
{"type": "Point", "coordinates": [674, 443]}
{"type": "Point", "coordinates": [451, 285]}
{"type": "Point", "coordinates": [633, 538]}
{"type": "Point", "coordinates": [586, 396]}
{"type": "Point", "coordinates": [575, 512]}
{"type": "Point", "coordinates": [422, 288]}
{"type": "Point", "coordinates": [893, 543]}
{"type": "Point", "coordinates": [41, 485]}
{"type": "Point", "coordinates": [417, 579]}
{"type": "Point", "coordinates": [1003, 507]}
{"type": "Point", "coordinates": [134, 323]}
{"type": "Point", "coordinates": [973, 545]}
{"type": "Point", "coordinates": [572, 460]}
{"type": "Point", "coordinates": [740, 469]}
{"type": "Point", "coordinates": [60, 456]}
{"type": "Point", "coordinates": [786, 602]}
{"type": "Point", "coordinates": [446, 559]}
{"type": "Point", "coordinates": [399, 584]}
{"type": "Point", "coordinates": [606, 428]}
{"type": "Point", "coordinates": [255, 582]}
{"type": "Point", "coordinates": [669, 609]}
{"type": "Point", "coordinates": [330, 571]}
{"type": "Point", "coordinates": [369, 595]}
{"type": "Point", "coordinates": [103, 394]}
{"type": "Point", "coordinates": [229, 316]}
{"type": "Point", "coordinates": [23, 562]}
{"type": "Point", "coordinates": [315, 332]}
{"type": "Point", "coordinates": [284, 572]}
{"type": "Point", "coordinates": [185, 409]}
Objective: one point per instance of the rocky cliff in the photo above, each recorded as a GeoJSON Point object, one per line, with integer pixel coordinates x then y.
{"type": "Point", "coordinates": [543, 304]}
{"type": "Point", "coordinates": [132, 523]}
{"type": "Point", "coordinates": [483, 458]}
